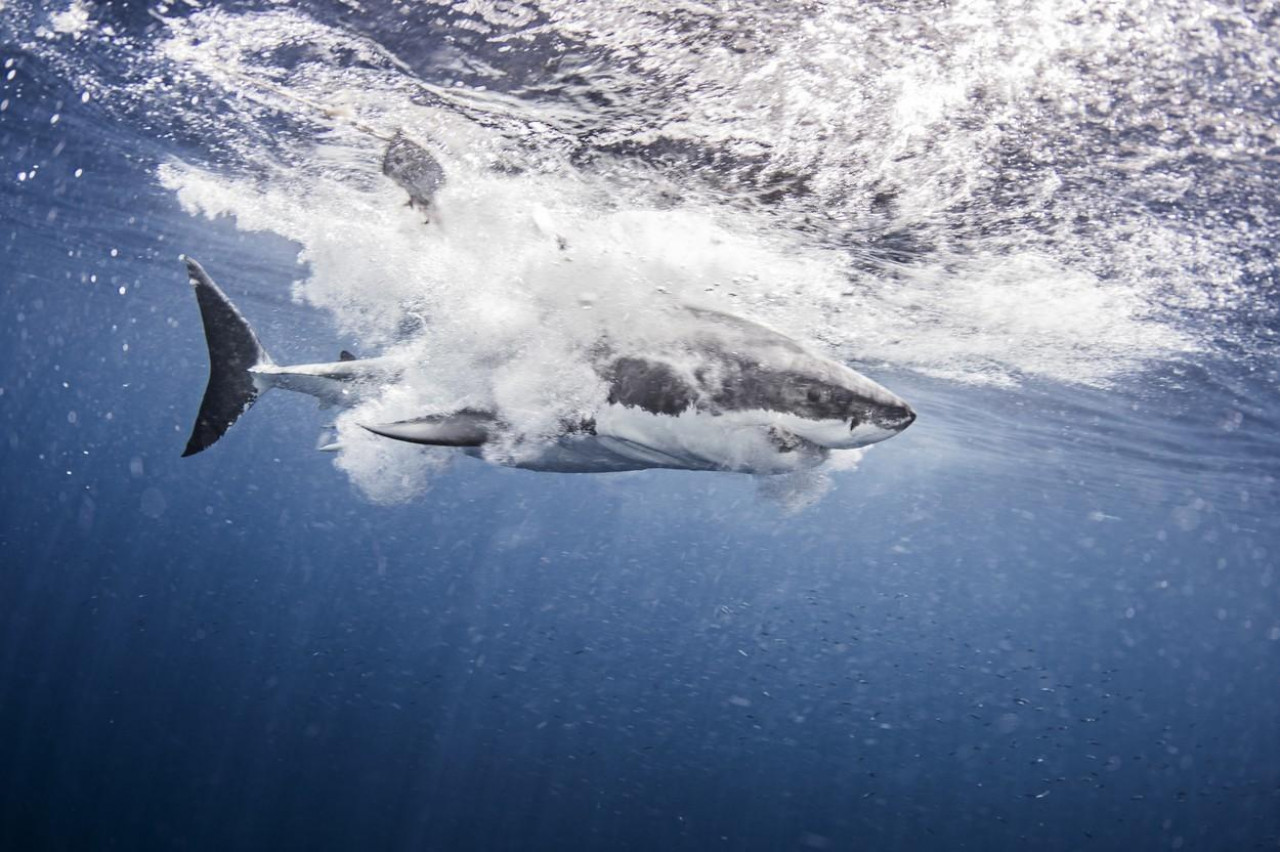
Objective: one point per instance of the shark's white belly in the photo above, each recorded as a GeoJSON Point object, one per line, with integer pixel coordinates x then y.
{"type": "Point", "coordinates": [629, 438]}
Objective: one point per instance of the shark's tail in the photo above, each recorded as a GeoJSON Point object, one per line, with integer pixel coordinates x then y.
{"type": "Point", "coordinates": [233, 350]}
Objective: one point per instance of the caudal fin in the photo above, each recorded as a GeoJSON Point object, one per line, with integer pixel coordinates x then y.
{"type": "Point", "coordinates": [233, 349]}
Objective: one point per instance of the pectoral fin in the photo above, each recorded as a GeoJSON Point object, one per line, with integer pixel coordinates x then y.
{"type": "Point", "coordinates": [465, 428]}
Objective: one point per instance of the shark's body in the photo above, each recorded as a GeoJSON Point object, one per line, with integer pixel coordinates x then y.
{"type": "Point", "coordinates": [730, 395]}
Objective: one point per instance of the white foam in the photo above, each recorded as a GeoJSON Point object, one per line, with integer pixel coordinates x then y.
{"type": "Point", "coordinates": [73, 20]}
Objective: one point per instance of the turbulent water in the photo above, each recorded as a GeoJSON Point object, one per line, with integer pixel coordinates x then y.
{"type": "Point", "coordinates": [1045, 616]}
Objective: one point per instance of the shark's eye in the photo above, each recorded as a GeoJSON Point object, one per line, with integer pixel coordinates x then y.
{"type": "Point", "coordinates": [816, 395]}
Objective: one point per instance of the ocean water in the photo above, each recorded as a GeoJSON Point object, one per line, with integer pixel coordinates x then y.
{"type": "Point", "coordinates": [1046, 616]}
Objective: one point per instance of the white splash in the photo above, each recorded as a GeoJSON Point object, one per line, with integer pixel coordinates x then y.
{"type": "Point", "coordinates": [73, 20]}
{"type": "Point", "coordinates": [512, 300]}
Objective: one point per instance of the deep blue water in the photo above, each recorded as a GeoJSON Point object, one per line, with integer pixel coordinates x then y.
{"type": "Point", "coordinates": [1047, 616]}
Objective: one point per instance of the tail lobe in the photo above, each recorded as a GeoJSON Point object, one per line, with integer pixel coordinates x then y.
{"type": "Point", "coordinates": [233, 349]}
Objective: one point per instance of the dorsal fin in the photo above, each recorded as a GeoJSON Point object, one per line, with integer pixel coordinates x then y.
{"type": "Point", "coordinates": [414, 169]}
{"type": "Point", "coordinates": [344, 355]}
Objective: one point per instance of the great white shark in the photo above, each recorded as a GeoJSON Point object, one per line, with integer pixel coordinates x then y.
{"type": "Point", "coordinates": [728, 394]}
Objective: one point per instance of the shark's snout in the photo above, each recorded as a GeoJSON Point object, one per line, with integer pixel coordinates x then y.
{"type": "Point", "coordinates": [895, 417]}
